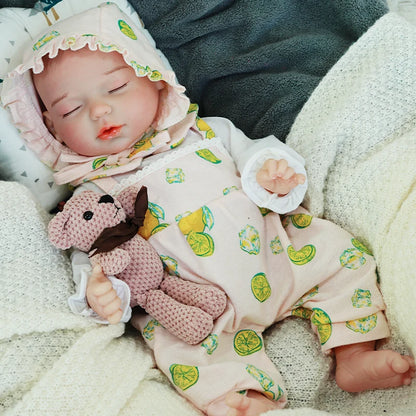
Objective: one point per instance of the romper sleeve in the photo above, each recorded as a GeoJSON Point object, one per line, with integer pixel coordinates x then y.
{"type": "Point", "coordinates": [250, 155]}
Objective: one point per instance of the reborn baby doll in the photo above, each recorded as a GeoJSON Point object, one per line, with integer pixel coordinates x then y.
{"type": "Point", "coordinates": [223, 210]}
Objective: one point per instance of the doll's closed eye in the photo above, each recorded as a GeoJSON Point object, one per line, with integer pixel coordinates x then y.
{"type": "Point", "coordinates": [118, 88]}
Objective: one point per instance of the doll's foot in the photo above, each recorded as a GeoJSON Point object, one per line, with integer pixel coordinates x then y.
{"type": "Point", "coordinates": [360, 367]}
{"type": "Point", "coordinates": [253, 404]}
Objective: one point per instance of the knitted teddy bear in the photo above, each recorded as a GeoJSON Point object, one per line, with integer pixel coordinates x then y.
{"type": "Point", "coordinates": [98, 224]}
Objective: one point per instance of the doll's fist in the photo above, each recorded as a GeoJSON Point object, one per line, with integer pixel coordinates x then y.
{"type": "Point", "coordinates": [278, 177]}
{"type": "Point", "coordinates": [102, 298]}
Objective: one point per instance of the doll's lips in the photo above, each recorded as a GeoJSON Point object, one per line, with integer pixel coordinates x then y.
{"type": "Point", "coordinates": [109, 132]}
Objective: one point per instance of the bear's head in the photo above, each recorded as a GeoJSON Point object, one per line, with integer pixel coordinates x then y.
{"type": "Point", "coordinates": [83, 219]}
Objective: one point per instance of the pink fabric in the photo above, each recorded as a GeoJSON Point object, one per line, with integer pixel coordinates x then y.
{"type": "Point", "coordinates": [105, 28]}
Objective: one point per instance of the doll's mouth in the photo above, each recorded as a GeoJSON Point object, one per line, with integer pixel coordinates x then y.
{"type": "Point", "coordinates": [109, 132]}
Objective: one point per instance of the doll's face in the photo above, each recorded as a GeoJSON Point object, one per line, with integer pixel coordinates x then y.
{"type": "Point", "coordinates": [96, 105]}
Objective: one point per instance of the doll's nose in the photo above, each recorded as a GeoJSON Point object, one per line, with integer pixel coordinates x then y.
{"type": "Point", "coordinates": [106, 199]}
{"type": "Point", "coordinates": [98, 110]}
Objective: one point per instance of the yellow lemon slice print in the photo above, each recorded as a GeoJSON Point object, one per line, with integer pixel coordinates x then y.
{"type": "Point", "coordinates": [358, 244]}
{"type": "Point", "coordinates": [249, 240]}
{"type": "Point", "coordinates": [363, 325]}
{"type": "Point", "coordinates": [302, 313]}
{"type": "Point", "coordinates": [265, 382]}
{"type": "Point", "coordinates": [352, 259]}
{"type": "Point", "coordinates": [210, 343]}
{"type": "Point", "coordinates": [98, 162]}
{"type": "Point", "coordinates": [303, 256]}
{"type": "Point", "coordinates": [246, 342]}
{"type": "Point", "coordinates": [260, 287]}
{"type": "Point", "coordinates": [149, 329]}
{"type": "Point", "coordinates": [201, 244]}
{"type": "Point", "coordinates": [361, 298]}
{"type": "Point", "coordinates": [323, 324]}
{"type": "Point", "coordinates": [126, 30]}
{"type": "Point", "coordinates": [301, 220]}
{"type": "Point", "coordinates": [207, 155]}
{"type": "Point", "coordinates": [184, 376]}
{"type": "Point", "coordinates": [203, 126]}
{"type": "Point", "coordinates": [151, 223]}
{"type": "Point", "coordinates": [192, 222]}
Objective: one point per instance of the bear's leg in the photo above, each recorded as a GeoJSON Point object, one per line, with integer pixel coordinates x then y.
{"type": "Point", "coordinates": [207, 297]}
{"type": "Point", "coordinates": [188, 323]}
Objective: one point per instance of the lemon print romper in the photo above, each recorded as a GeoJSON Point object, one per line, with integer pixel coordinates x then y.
{"type": "Point", "coordinates": [208, 231]}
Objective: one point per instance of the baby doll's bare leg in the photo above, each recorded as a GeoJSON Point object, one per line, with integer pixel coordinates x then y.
{"type": "Point", "coordinates": [359, 367]}
{"type": "Point", "coordinates": [209, 298]}
{"type": "Point", "coordinates": [253, 404]}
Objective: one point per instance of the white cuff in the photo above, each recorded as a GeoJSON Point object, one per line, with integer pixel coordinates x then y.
{"type": "Point", "coordinates": [259, 195]}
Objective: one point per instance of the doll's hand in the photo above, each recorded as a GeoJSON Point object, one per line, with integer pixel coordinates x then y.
{"type": "Point", "coordinates": [102, 298]}
{"type": "Point", "coordinates": [277, 177]}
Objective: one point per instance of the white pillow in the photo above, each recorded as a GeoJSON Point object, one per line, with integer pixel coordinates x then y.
{"type": "Point", "coordinates": [18, 28]}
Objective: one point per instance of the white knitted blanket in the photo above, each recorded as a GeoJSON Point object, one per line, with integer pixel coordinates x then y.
{"type": "Point", "coordinates": [357, 133]}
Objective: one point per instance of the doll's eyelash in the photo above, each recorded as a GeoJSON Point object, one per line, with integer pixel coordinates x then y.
{"type": "Point", "coordinates": [118, 88]}
{"type": "Point", "coordinates": [70, 112]}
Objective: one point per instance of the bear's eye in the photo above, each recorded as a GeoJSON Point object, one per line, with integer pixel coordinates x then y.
{"type": "Point", "coordinates": [87, 215]}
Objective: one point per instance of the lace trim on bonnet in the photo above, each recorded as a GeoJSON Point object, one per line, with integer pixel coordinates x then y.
{"type": "Point", "coordinates": [105, 28]}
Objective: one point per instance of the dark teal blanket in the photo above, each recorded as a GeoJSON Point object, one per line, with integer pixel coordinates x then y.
{"type": "Point", "coordinates": [255, 62]}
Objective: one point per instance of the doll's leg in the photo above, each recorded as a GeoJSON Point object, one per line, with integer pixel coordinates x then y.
{"type": "Point", "coordinates": [346, 310]}
{"type": "Point", "coordinates": [359, 367]}
{"type": "Point", "coordinates": [209, 298]}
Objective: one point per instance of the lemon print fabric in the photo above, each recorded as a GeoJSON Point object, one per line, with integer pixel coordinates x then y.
{"type": "Point", "coordinates": [207, 155]}
{"type": "Point", "coordinates": [210, 343]}
{"type": "Point", "coordinates": [260, 287]}
{"type": "Point", "coordinates": [270, 389]}
{"type": "Point", "coordinates": [362, 325]}
{"type": "Point", "coordinates": [149, 329]}
{"type": "Point", "coordinates": [323, 324]}
{"type": "Point", "coordinates": [361, 298]}
{"type": "Point", "coordinates": [153, 221]}
{"type": "Point", "coordinates": [276, 246]}
{"type": "Point", "coordinates": [247, 342]}
{"type": "Point", "coordinates": [360, 246]}
{"type": "Point", "coordinates": [301, 220]}
{"type": "Point", "coordinates": [175, 175]}
{"type": "Point", "coordinates": [302, 256]}
{"type": "Point", "coordinates": [302, 313]}
{"type": "Point", "coordinates": [170, 264]}
{"type": "Point", "coordinates": [249, 240]}
{"type": "Point", "coordinates": [126, 30]}
{"type": "Point", "coordinates": [195, 226]}
{"type": "Point", "coordinates": [184, 376]}
{"type": "Point", "coordinates": [352, 259]}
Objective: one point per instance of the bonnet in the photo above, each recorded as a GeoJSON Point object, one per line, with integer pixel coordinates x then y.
{"type": "Point", "coordinates": [105, 28]}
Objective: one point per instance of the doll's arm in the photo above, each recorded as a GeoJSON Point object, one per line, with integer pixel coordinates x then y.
{"type": "Point", "coordinates": [102, 298]}
{"type": "Point", "coordinates": [78, 302]}
{"type": "Point", "coordinates": [250, 157]}
{"type": "Point", "coordinates": [276, 176]}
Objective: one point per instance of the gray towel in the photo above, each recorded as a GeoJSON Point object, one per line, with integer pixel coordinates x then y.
{"type": "Point", "coordinates": [255, 62]}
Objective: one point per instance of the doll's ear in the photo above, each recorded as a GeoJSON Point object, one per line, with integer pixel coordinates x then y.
{"type": "Point", "coordinates": [58, 235]}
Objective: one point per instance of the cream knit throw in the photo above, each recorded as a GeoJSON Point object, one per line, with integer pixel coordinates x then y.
{"type": "Point", "coordinates": [356, 135]}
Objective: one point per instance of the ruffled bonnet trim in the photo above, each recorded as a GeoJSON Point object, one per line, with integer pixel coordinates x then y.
{"type": "Point", "coordinates": [105, 28]}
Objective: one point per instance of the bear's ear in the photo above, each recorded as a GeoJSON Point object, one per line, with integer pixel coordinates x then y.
{"type": "Point", "coordinates": [58, 235]}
